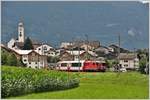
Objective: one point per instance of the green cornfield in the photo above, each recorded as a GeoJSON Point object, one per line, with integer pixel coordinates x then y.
{"type": "Point", "coordinates": [19, 81]}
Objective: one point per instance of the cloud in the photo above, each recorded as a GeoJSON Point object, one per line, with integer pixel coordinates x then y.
{"type": "Point", "coordinates": [144, 1]}
{"type": "Point", "coordinates": [111, 24]}
{"type": "Point", "coordinates": [131, 32]}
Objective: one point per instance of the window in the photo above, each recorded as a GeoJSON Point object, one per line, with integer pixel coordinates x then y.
{"type": "Point", "coordinates": [36, 67]}
{"type": "Point", "coordinates": [35, 62]}
{"type": "Point", "coordinates": [20, 34]}
{"type": "Point", "coordinates": [39, 48]}
{"type": "Point", "coordinates": [126, 65]}
{"type": "Point", "coordinates": [125, 60]}
{"type": "Point", "coordinates": [29, 66]}
{"type": "Point", "coordinates": [76, 64]}
{"type": "Point", "coordinates": [25, 60]}
{"type": "Point", "coordinates": [29, 62]}
{"type": "Point", "coordinates": [64, 65]}
{"type": "Point", "coordinates": [45, 48]}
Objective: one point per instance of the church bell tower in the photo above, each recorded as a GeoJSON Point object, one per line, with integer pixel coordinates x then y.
{"type": "Point", "coordinates": [21, 37]}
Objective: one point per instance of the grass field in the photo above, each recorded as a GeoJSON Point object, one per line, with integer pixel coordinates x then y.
{"type": "Point", "coordinates": [101, 86]}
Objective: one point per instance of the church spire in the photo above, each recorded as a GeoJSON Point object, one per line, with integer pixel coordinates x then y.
{"type": "Point", "coordinates": [21, 31]}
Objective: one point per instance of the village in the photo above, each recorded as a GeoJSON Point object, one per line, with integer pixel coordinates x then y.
{"type": "Point", "coordinates": [43, 55]}
{"type": "Point", "coordinates": [75, 49]}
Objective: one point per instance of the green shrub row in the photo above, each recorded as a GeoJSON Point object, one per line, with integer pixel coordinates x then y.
{"type": "Point", "coordinates": [18, 81]}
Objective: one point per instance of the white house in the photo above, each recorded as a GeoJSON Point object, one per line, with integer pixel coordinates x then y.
{"type": "Point", "coordinates": [32, 59]}
{"type": "Point", "coordinates": [65, 44]}
{"type": "Point", "coordinates": [129, 60]}
{"type": "Point", "coordinates": [47, 50]}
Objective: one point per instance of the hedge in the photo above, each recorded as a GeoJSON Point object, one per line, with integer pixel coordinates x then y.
{"type": "Point", "coordinates": [18, 81]}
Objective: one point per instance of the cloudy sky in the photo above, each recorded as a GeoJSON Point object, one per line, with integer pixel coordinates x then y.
{"type": "Point", "coordinates": [54, 22]}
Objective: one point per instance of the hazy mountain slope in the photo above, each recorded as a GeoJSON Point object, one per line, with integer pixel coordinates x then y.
{"type": "Point", "coordinates": [55, 22]}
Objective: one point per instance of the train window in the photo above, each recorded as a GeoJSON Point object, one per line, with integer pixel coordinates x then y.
{"type": "Point", "coordinates": [64, 65]}
{"type": "Point", "coordinates": [76, 64]}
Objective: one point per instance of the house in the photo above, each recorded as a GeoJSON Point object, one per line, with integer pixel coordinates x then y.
{"type": "Point", "coordinates": [129, 61]}
{"type": "Point", "coordinates": [32, 59]}
{"type": "Point", "coordinates": [65, 56]}
{"type": "Point", "coordinates": [47, 50]}
{"type": "Point", "coordinates": [53, 53]}
{"type": "Point", "coordinates": [87, 47]}
{"type": "Point", "coordinates": [66, 44]}
{"type": "Point", "coordinates": [94, 44]}
{"type": "Point", "coordinates": [102, 49]}
{"type": "Point", "coordinates": [77, 55]}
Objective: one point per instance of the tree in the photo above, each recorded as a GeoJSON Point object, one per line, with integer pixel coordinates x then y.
{"type": "Point", "coordinates": [28, 44]}
{"type": "Point", "coordinates": [111, 63]}
{"type": "Point", "coordinates": [3, 58]}
{"type": "Point", "coordinates": [52, 59]}
{"type": "Point", "coordinates": [143, 56]}
{"type": "Point", "coordinates": [11, 60]}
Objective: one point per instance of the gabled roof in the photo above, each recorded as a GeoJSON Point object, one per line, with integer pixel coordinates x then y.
{"type": "Point", "coordinates": [23, 52]}
{"type": "Point", "coordinates": [92, 53]}
{"type": "Point", "coordinates": [127, 56]}
{"type": "Point", "coordinates": [26, 52]}
{"type": "Point", "coordinates": [9, 50]}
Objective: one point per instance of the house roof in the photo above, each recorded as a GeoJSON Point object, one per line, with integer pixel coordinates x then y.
{"type": "Point", "coordinates": [127, 56]}
{"type": "Point", "coordinates": [23, 52]}
{"type": "Point", "coordinates": [75, 52]}
{"type": "Point", "coordinates": [92, 53]}
{"type": "Point", "coordinates": [9, 50]}
{"type": "Point", "coordinates": [19, 44]}
{"type": "Point", "coordinates": [26, 52]}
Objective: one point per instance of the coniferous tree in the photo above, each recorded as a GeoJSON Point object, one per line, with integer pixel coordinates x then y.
{"type": "Point", "coordinates": [28, 44]}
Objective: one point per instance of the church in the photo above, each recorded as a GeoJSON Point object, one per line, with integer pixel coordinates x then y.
{"type": "Point", "coordinates": [31, 58]}
{"type": "Point", "coordinates": [17, 44]}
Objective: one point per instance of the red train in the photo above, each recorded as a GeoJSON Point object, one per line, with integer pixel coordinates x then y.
{"type": "Point", "coordinates": [83, 65]}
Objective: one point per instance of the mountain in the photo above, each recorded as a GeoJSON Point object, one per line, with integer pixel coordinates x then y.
{"type": "Point", "coordinates": [54, 22]}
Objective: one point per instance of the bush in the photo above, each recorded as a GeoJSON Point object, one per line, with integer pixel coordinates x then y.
{"type": "Point", "coordinates": [12, 60]}
{"type": "Point", "coordinates": [18, 81]}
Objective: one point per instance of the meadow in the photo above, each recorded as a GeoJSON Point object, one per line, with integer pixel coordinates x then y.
{"type": "Point", "coordinates": [98, 85]}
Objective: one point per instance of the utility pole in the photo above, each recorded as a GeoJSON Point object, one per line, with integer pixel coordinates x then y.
{"type": "Point", "coordinates": [87, 46]}
{"type": "Point", "coordinates": [119, 52]}
{"type": "Point", "coordinates": [79, 55]}
{"type": "Point", "coordinates": [134, 58]}
{"type": "Point", "coordinates": [72, 49]}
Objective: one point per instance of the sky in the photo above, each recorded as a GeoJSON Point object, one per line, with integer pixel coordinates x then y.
{"type": "Point", "coordinates": [54, 22]}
